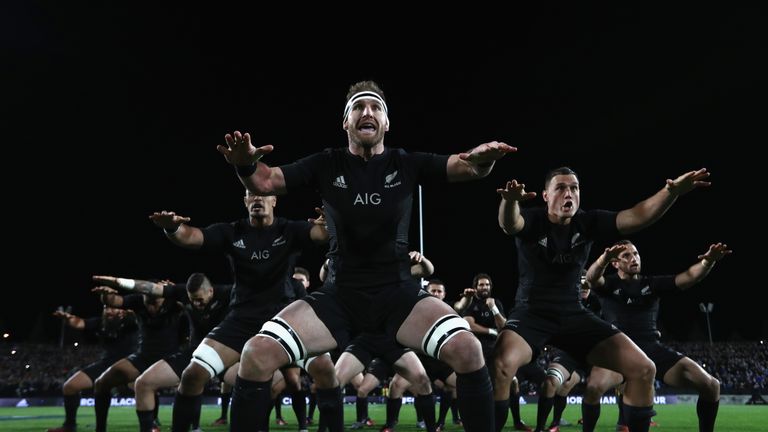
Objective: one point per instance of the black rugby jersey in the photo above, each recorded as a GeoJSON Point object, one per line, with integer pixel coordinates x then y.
{"type": "Point", "coordinates": [551, 256]}
{"type": "Point", "coordinates": [633, 304]}
{"type": "Point", "coordinates": [368, 208]}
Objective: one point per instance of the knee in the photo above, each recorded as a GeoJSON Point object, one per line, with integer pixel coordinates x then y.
{"type": "Point", "coordinates": [69, 389]}
{"type": "Point", "coordinates": [101, 386]}
{"type": "Point", "coordinates": [421, 386]}
{"type": "Point", "coordinates": [642, 371]}
{"type": "Point", "coordinates": [142, 385]}
{"type": "Point", "coordinates": [463, 353]}
{"type": "Point", "coordinates": [505, 366]}
{"type": "Point", "coordinates": [712, 389]}
{"type": "Point", "coordinates": [260, 354]}
{"type": "Point", "coordinates": [593, 392]}
{"type": "Point", "coordinates": [193, 377]}
{"type": "Point", "coordinates": [323, 373]}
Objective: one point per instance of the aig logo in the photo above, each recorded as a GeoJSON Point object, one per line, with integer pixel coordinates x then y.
{"type": "Point", "coordinates": [260, 255]}
{"type": "Point", "coordinates": [368, 199]}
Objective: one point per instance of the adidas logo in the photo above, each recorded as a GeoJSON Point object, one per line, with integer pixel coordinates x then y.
{"type": "Point", "coordinates": [543, 241]}
{"type": "Point", "coordinates": [340, 183]}
{"type": "Point", "coordinates": [278, 241]}
{"type": "Point", "coordinates": [646, 290]}
{"type": "Point", "coordinates": [239, 244]}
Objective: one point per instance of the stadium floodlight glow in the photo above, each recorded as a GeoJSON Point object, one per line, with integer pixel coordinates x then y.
{"type": "Point", "coordinates": [76, 344]}
{"type": "Point", "coordinates": [707, 309]}
{"type": "Point", "coordinates": [13, 352]}
{"type": "Point", "coordinates": [5, 335]}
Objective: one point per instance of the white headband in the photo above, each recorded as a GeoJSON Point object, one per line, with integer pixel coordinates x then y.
{"type": "Point", "coordinates": [364, 95]}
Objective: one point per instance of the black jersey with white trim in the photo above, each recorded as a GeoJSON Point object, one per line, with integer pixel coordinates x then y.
{"type": "Point", "coordinates": [261, 259]}
{"type": "Point", "coordinates": [633, 304]}
{"type": "Point", "coordinates": [201, 322]}
{"type": "Point", "coordinates": [368, 208]}
{"type": "Point", "coordinates": [551, 256]}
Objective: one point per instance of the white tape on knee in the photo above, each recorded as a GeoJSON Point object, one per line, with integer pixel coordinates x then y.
{"type": "Point", "coordinates": [280, 331]}
{"type": "Point", "coordinates": [209, 359]}
{"type": "Point", "coordinates": [556, 374]}
{"type": "Point", "coordinates": [441, 332]}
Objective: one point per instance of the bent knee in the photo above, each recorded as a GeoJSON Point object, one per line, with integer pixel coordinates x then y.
{"type": "Point", "coordinates": [644, 371]}
{"type": "Point", "coordinates": [263, 354]}
{"type": "Point", "coordinates": [463, 353]}
{"type": "Point", "coordinates": [712, 389]}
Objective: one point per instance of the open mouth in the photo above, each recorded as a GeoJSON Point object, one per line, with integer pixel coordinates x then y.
{"type": "Point", "coordinates": [568, 205]}
{"type": "Point", "coordinates": [367, 127]}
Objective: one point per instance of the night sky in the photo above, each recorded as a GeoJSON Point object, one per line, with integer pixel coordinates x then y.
{"type": "Point", "coordinates": [116, 112]}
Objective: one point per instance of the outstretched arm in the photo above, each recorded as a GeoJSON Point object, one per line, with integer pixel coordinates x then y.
{"type": "Point", "coordinates": [420, 265]}
{"type": "Point", "coordinates": [137, 285]}
{"type": "Point", "coordinates": [175, 229]}
{"type": "Point", "coordinates": [695, 273]}
{"type": "Point", "coordinates": [510, 219]}
{"type": "Point", "coordinates": [594, 277]}
{"type": "Point", "coordinates": [73, 321]}
{"type": "Point", "coordinates": [478, 162]}
{"type": "Point", "coordinates": [652, 209]}
{"type": "Point", "coordinates": [109, 296]}
{"type": "Point", "coordinates": [256, 176]}
{"type": "Point", "coordinates": [466, 298]}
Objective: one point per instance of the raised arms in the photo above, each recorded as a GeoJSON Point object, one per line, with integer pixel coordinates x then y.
{"type": "Point", "coordinates": [478, 162]}
{"type": "Point", "coordinates": [650, 210]}
{"type": "Point", "coordinates": [256, 176]}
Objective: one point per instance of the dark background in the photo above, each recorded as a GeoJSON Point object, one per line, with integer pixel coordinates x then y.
{"type": "Point", "coordinates": [113, 112]}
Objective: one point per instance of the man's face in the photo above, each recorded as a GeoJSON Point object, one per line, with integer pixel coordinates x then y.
{"type": "Point", "coordinates": [302, 278]}
{"type": "Point", "coordinates": [629, 261]}
{"type": "Point", "coordinates": [200, 298]}
{"type": "Point", "coordinates": [260, 206]}
{"type": "Point", "coordinates": [437, 290]}
{"type": "Point", "coordinates": [366, 123]}
{"type": "Point", "coordinates": [562, 196]}
{"type": "Point", "coordinates": [483, 288]}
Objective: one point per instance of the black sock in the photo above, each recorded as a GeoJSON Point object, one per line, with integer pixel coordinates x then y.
{"type": "Point", "coordinates": [419, 416]}
{"type": "Point", "coordinates": [312, 405]}
{"type": "Point", "coordinates": [156, 410]}
{"type": "Point", "coordinates": [184, 408]}
{"type": "Point", "coordinates": [299, 404]}
{"type": "Point", "coordinates": [500, 413]}
{"type": "Point", "coordinates": [638, 418]}
{"type": "Point", "coordinates": [71, 404]}
{"type": "Point", "coordinates": [251, 403]}
{"type": "Point", "coordinates": [475, 400]}
{"type": "Point", "coordinates": [514, 408]}
{"type": "Point", "coordinates": [455, 416]}
{"type": "Point", "coordinates": [101, 406]}
{"type": "Point", "coordinates": [559, 407]}
{"type": "Point", "coordinates": [446, 400]}
{"type": "Point", "coordinates": [146, 420]}
{"type": "Point", "coordinates": [542, 411]}
{"type": "Point", "coordinates": [707, 412]}
{"type": "Point", "coordinates": [279, 407]}
{"type": "Point", "coordinates": [589, 414]}
{"type": "Point", "coordinates": [620, 403]}
{"type": "Point", "coordinates": [361, 408]}
{"type": "Point", "coordinates": [426, 405]}
{"type": "Point", "coordinates": [393, 411]}
{"type": "Point", "coordinates": [225, 397]}
{"type": "Point", "coordinates": [331, 408]}
{"type": "Point", "coordinates": [195, 412]}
